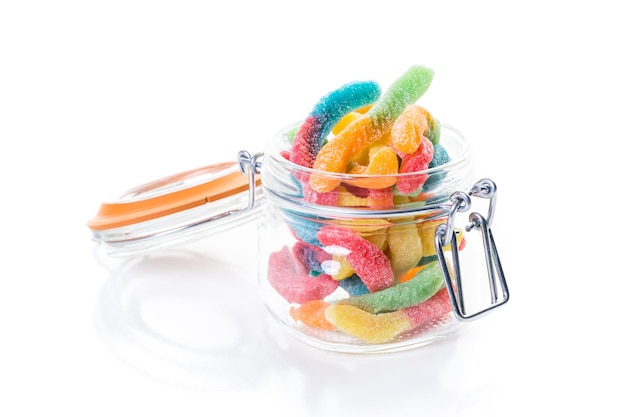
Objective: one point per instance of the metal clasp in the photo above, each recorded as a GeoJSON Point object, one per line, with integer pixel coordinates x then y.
{"type": "Point", "coordinates": [461, 202]}
{"type": "Point", "coordinates": [250, 165]}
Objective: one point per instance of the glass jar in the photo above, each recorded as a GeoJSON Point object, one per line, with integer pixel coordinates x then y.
{"type": "Point", "coordinates": [374, 264]}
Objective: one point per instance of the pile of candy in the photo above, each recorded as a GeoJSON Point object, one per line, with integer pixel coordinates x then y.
{"type": "Point", "coordinates": [371, 278]}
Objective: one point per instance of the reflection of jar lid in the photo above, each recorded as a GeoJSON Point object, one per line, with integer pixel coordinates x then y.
{"type": "Point", "coordinates": [178, 207]}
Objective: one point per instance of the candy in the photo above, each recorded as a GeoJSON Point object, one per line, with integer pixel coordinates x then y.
{"type": "Point", "coordinates": [361, 197]}
{"type": "Point", "coordinates": [353, 286]}
{"type": "Point", "coordinates": [371, 328]}
{"type": "Point", "coordinates": [290, 278]}
{"type": "Point", "coordinates": [440, 157]}
{"type": "Point", "coordinates": [337, 153]}
{"type": "Point", "coordinates": [415, 162]}
{"type": "Point", "coordinates": [325, 114]}
{"type": "Point", "coordinates": [383, 163]}
{"type": "Point", "coordinates": [414, 291]}
{"type": "Point", "coordinates": [310, 256]}
{"type": "Point", "coordinates": [405, 247]}
{"type": "Point", "coordinates": [436, 306]}
{"type": "Point", "coordinates": [381, 328]}
{"type": "Point", "coordinates": [368, 262]}
{"type": "Point", "coordinates": [338, 267]}
{"type": "Point", "coordinates": [370, 277]}
{"type": "Point", "coordinates": [312, 313]}
{"type": "Point", "coordinates": [408, 129]}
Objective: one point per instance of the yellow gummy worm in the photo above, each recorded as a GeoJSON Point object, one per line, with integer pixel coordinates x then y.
{"type": "Point", "coordinates": [371, 328]}
{"type": "Point", "coordinates": [427, 236]}
{"type": "Point", "coordinates": [405, 247]}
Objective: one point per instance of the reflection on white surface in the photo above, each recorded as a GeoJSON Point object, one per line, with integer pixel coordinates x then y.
{"type": "Point", "coordinates": [189, 319]}
{"type": "Point", "coordinates": [183, 318]}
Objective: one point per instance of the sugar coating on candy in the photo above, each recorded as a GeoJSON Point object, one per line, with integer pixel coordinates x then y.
{"type": "Point", "coordinates": [426, 283]}
{"type": "Point", "coordinates": [406, 90]}
{"type": "Point", "coordinates": [434, 129]}
{"type": "Point", "coordinates": [345, 121]}
{"type": "Point", "coordinates": [325, 114]}
{"type": "Point", "coordinates": [436, 306]}
{"type": "Point", "coordinates": [408, 129]}
{"type": "Point", "coordinates": [368, 262]}
{"type": "Point", "coordinates": [330, 198]}
{"type": "Point", "coordinates": [338, 267]}
{"type": "Point", "coordinates": [371, 328]}
{"type": "Point", "coordinates": [440, 157]}
{"type": "Point", "coordinates": [337, 153]}
{"type": "Point", "coordinates": [380, 328]}
{"type": "Point", "coordinates": [405, 247]}
{"type": "Point", "coordinates": [415, 162]}
{"type": "Point", "coordinates": [382, 164]}
{"type": "Point", "coordinates": [353, 286]}
{"type": "Point", "coordinates": [312, 313]}
{"type": "Point", "coordinates": [290, 278]}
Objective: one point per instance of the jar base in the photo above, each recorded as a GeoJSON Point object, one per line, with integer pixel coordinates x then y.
{"type": "Point", "coordinates": [336, 341]}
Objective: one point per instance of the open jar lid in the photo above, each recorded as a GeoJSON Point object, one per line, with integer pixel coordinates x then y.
{"type": "Point", "coordinates": [180, 207]}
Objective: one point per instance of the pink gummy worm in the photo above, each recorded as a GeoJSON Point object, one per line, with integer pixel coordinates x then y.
{"type": "Point", "coordinates": [291, 279]}
{"type": "Point", "coordinates": [415, 162]}
{"type": "Point", "coordinates": [436, 306]}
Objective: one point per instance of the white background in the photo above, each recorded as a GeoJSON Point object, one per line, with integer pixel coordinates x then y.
{"type": "Point", "coordinates": [97, 97]}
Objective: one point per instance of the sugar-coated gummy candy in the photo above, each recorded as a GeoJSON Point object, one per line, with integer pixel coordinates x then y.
{"type": "Point", "coordinates": [312, 257]}
{"type": "Point", "coordinates": [329, 110]}
{"type": "Point", "coordinates": [371, 328]}
{"type": "Point", "coordinates": [312, 313]}
{"type": "Point", "coordinates": [440, 157]}
{"type": "Point", "coordinates": [409, 128]}
{"type": "Point", "coordinates": [353, 286]}
{"type": "Point", "coordinates": [290, 278]}
{"type": "Point", "coordinates": [436, 306]}
{"type": "Point", "coordinates": [380, 328]}
{"type": "Point", "coordinates": [383, 164]}
{"type": "Point", "coordinates": [405, 247]}
{"type": "Point", "coordinates": [414, 291]}
{"type": "Point", "coordinates": [415, 162]}
{"type": "Point", "coordinates": [337, 153]}
{"type": "Point", "coordinates": [368, 262]}
{"type": "Point", "coordinates": [338, 267]}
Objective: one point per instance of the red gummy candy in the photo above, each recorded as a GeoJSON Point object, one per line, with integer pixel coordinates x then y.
{"type": "Point", "coordinates": [368, 262]}
{"type": "Point", "coordinates": [436, 306]}
{"type": "Point", "coordinates": [415, 162]}
{"type": "Point", "coordinates": [291, 279]}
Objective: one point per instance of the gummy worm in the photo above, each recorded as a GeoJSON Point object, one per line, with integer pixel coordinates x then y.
{"type": "Point", "coordinates": [380, 328]}
{"type": "Point", "coordinates": [423, 286]}
{"type": "Point", "coordinates": [325, 114]}
{"type": "Point", "coordinates": [337, 153]}
{"type": "Point", "coordinates": [291, 280]}
{"type": "Point", "coordinates": [368, 262]}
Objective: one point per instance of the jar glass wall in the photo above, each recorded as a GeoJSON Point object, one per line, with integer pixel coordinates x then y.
{"type": "Point", "coordinates": [354, 269]}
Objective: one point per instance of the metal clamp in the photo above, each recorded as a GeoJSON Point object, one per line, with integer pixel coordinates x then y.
{"type": "Point", "coordinates": [444, 235]}
{"type": "Point", "coordinates": [250, 165]}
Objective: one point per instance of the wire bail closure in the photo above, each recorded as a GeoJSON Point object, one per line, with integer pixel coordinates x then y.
{"type": "Point", "coordinates": [250, 165]}
{"type": "Point", "coordinates": [444, 235]}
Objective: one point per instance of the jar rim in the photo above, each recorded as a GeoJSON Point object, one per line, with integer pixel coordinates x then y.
{"type": "Point", "coordinates": [461, 156]}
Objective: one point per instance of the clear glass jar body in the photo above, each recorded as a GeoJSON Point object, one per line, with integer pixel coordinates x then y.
{"type": "Point", "coordinates": [355, 269]}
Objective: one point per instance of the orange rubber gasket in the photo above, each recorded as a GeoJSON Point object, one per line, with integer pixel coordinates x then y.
{"type": "Point", "coordinates": [119, 214]}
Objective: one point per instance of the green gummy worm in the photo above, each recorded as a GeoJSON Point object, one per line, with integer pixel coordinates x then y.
{"type": "Point", "coordinates": [405, 91]}
{"type": "Point", "coordinates": [419, 289]}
